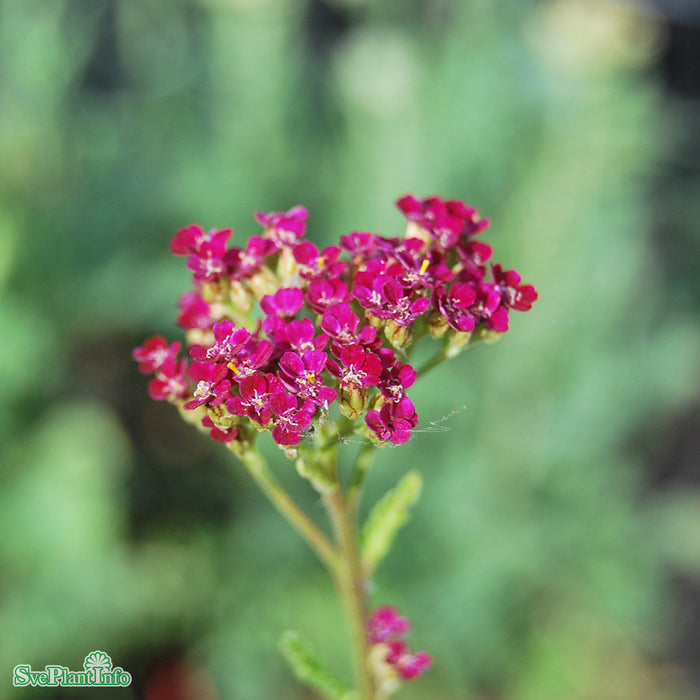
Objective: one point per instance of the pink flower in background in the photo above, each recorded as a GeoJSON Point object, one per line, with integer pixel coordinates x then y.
{"type": "Point", "coordinates": [386, 624]}
{"type": "Point", "coordinates": [387, 628]}
{"type": "Point", "coordinates": [193, 239]}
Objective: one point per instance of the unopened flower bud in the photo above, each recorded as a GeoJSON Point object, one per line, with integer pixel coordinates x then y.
{"type": "Point", "coordinates": [241, 298]}
{"type": "Point", "coordinates": [486, 335]}
{"type": "Point", "coordinates": [214, 291]}
{"type": "Point", "coordinates": [263, 282]}
{"type": "Point", "coordinates": [456, 342]}
{"type": "Point", "coordinates": [353, 401]}
{"type": "Point", "coordinates": [436, 324]}
{"type": "Point", "coordinates": [399, 336]}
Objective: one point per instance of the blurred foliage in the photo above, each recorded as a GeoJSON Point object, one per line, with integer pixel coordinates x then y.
{"type": "Point", "coordinates": [537, 565]}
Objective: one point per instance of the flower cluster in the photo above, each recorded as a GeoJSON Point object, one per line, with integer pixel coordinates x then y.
{"type": "Point", "coordinates": [279, 330]}
{"type": "Point", "coordinates": [393, 660]}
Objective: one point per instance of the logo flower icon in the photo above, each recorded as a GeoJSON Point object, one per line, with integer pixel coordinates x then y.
{"type": "Point", "coordinates": [98, 659]}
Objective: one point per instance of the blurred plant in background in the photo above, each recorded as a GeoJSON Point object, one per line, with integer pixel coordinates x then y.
{"type": "Point", "coordinates": [551, 564]}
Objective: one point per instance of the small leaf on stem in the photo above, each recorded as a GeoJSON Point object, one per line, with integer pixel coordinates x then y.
{"type": "Point", "coordinates": [305, 665]}
{"type": "Point", "coordinates": [387, 517]}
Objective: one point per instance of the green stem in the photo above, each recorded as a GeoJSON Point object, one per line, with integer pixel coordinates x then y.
{"type": "Point", "coordinates": [365, 458]}
{"type": "Point", "coordinates": [257, 467]}
{"type": "Point", "coordinates": [351, 584]}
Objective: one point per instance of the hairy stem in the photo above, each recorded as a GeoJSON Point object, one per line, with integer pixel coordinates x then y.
{"type": "Point", "coordinates": [351, 584]}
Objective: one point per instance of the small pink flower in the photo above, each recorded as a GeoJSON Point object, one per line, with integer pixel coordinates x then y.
{"type": "Point", "coordinates": [409, 665]}
{"type": "Point", "coordinates": [218, 433]}
{"type": "Point", "coordinates": [194, 312]}
{"type": "Point", "coordinates": [170, 384]}
{"type": "Point", "coordinates": [386, 624]}
{"type": "Point", "coordinates": [302, 376]}
{"type": "Point", "coordinates": [212, 384]}
{"type": "Point", "coordinates": [228, 340]}
{"type": "Point", "coordinates": [515, 295]}
{"type": "Point", "coordinates": [315, 265]}
{"type": "Point", "coordinates": [359, 244]}
{"type": "Point", "coordinates": [284, 228]}
{"type": "Point", "coordinates": [155, 354]}
{"type": "Point", "coordinates": [396, 379]}
{"type": "Point", "coordinates": [387, 628]}
{"type": "Point", "coordinates": [393, 422]}
{"type": "Point", "coordinates": [324, 293]}
{"type": "Point", "coordinates": [192, 239]}
{"type": "Point", "coordinates": [255, 392]}
{"type": "Point", "coordinates": [243, 263]}
{"type": "Point", "coordinates": [290, 419]}
{"type": "Point", "coordinates": [455, 305]}
{"type": "Point", "coordinates": [358, 368]}
{"type": "Point", "coordinates": [340, 322]}
{"type": "Point", "coordinates": [300, 336]}
{"type": "Point", "coordinates": [284, 303]}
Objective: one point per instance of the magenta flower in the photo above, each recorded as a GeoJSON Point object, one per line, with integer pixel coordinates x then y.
{"type": "Point", "coordinates": [300, 336]}
{"type": "Point", "coordinates": [193, 238]}
{"type": "Point", "coordinates": [218, 433]}
{"type": "Point", "coordinates": [357, 368]}
{"type": "Point", "coordinates": [409, 665]}
{"type": "Point", "coordinates": [207, 264]}
{"type": "Point", "coordinates": [284, 303]}
{"type": "Point", "coordinates": [487, 307]}
{"type": "Point", "coordinates": [252, 356]}
{"type": "Point", "coordinates": [302, 376]}
{"type": "Point", "coordinates": [387, 299]}
{"type": "Point", "coordinates": [284, 228]}
{"type": "Point", "coordinates": [228, 340]}
{"type": "Point", "coordinates": [341, 323]}
{"type": "Point", "coordinates": [393, 422]}
{"type": "Point", "coordinates": [515, 295]}
{"type": "Point", "coordinates": [445, 221]}
{"type": "Point", "coordinates": [455, 305]}
{"type": "Point", "coordinates": [425, 270]}
{"type": "Point", "coordinates": [290, 419]}
{"type": "Point", "coordinates": [254, 400]}
{"type": "Point", "coordinates": [359, 244]}
{"type": "Point", "coordinates": [212, 384]}
{"type": "Point", "coordinates": [194, 312]}
{"type": "Point", "coordinates": [243, 263]}
{"type": "Point", "coordinates": [314, 265]}
{"type": "Point", "coordinates": [395, 380]}
{"type": "Point", "coordinates": [156, 354]}
{"type": "Point", "coordinates": [170, 384]}
{"type": "Point", "coordinates": [324, 293]}
{"type": "Point", "coordinates": [387, 627]}
{"type": "Point", "coordinates": [386, 624]}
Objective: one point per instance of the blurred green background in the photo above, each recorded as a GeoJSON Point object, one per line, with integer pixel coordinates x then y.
{"type": "Point", "coordinates": [556, 551]}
